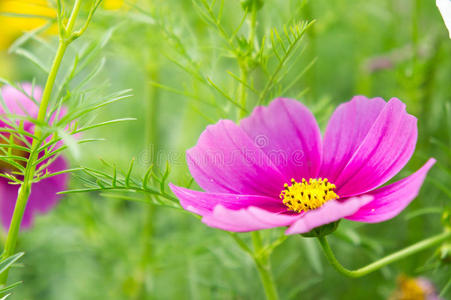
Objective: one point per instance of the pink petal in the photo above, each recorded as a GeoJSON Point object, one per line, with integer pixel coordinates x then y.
{"type": "Point", "coordinates": [8, 196]}
{"type": "Point", "coordinates": [331, 211]}
{"type": "Point", "coordinates": [226, 160]}
{"type": "Point", "coordinates": [288, 133]}
{"type": "Point", "coordinates": [204, 203]}
{"type": "Point", "coordinates": [249, 219]}
{"type": "Point", "coordinates": [380, 153]}
{"type": "Point", "coordinates": [42, 199]}
{"type": "Point", "coordinates": [390, 200]}
{"type": "Point", "coordinates": [345, 131]}
{"type": "Point", "coordinates": [19, 103]}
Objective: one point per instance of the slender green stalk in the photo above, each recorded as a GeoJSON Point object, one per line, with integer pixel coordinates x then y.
{"type": "Point", "coordinates": [263, 264]}
{"type": "Point", "coordinates": [308, 13]}
{"type": "Point", "coordinates": [416, 10]}
{"type": "Point", "coordinates": [422, 245]}
{"type": "Point", "coordinates": [11, 239]}
{"type": "Point", "coordinates": [152, 142]}
{"type": "Point", "coordinates": [261, 258]}
{"type": "Point", "coordinates": [256, 241]}
{"type": "Point", "coordinates": [244, 63]}
{"type": "Point", "coordinates": [62, 46]}
{"type": "Point", "coordinates": [253, 27]}
{"type": "Point", "coordinates": [264, 270]}
{"type": "Point", "coordinates": [25, 188]}
{"type": "Point", "coordinates": [242, 91]}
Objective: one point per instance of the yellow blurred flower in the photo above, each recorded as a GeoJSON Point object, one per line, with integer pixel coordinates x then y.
{"type": "Point", "coordinates": [112, 4]}
{"type": "Point", "coordinates": [19, 16]}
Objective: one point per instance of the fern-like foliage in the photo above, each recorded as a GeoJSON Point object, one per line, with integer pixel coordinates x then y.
{"type": "Point", "coordinates": [258, 71]}
{"type": "Point", "coordinates": [262, 64]}
{"type": "Point", "coordinates": [152, 183]}
{"type": "Point", "coordinates": [283, 47]}
{"type": "Point", "coordinates": [5, 265]}
{"type": "Point", "coordinates": [75, 101]}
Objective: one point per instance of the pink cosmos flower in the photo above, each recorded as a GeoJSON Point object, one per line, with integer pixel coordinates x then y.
{"type": "Point", "coordinates": [273, 169]}
{"type": "Point", "coordinates": [43, 193]}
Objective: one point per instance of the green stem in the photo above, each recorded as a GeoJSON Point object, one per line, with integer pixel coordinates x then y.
{"type": "Point", "coordinates": [25, 188]}
{"type": "Point", "coordinates": [244, 65]}
{"type": "Point", "coordinates": [263, 264]}
{"type": "Point", "coordinates": [256, 241]}
{"type": "Point", "coordinates": [152, 143]}
{"type": "Point", "coordinates": [427, 243]}
{"type": "Point", "coordinates": [253, 27]}
{"type": "Point", "coordinates": [312, 44]}
{"type": "Point", "coordinates": [62, 46]}
{"type": "Point", "coordinates": [14, 227]}
{"type": "Point", "coordinates": [416, 10]}
{"type": "Point", "coordinates": [73, 16]}
{"type": "Point", "coordinates": [242, 91]}
{"type": "Point", "coordinates": [264, 270]}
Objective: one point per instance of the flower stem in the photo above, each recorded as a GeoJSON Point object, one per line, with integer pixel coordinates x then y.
{"type": "Point", "coordinates": [263, 264]}
{"type": "Point", "coordinates": [264, 270]}
{"type": "Point", "coordinates": [11, 239]}
{"type": "Point", "coordinates": [62, 46]}
{"type": "Point", "coordinates": [422, 245]}
{"type": "Point", "coordinates": [243, 62]}
{"type": "Point", "coordinates": [152, 143]}
{"type": "Point", "coordinates": [25, 188]}
{"type": "Point", "coordinates": [242, 91]}
{"type": "Point", "coordinates": [253, 27]}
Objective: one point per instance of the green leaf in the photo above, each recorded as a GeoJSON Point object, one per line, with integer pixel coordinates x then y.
{"type": "Point", "coordinates": [35, 60]}
{"type": "Point", "coordinates": [8, 262]}
{"type": "Point", "coordinates": [9, 287]}
{"type": "Point", "coordinates": [313, 255]}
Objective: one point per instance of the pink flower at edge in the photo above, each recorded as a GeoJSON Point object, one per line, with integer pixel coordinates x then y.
{"type": "Point", "coordinates": [244, 168]}
{"type": "Point", "coordinates": [43, 193]}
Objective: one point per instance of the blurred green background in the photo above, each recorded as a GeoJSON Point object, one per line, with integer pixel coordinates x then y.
{"type": "Point", "coordinates": [102, 246]}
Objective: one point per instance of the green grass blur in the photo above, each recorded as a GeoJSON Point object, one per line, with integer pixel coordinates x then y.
{"type": "Point", "coordinates": [102, 246]}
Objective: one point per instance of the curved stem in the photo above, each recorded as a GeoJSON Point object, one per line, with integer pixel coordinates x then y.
{"type": "Point", "coordinates": [424, 244]}
{"type": "Point", "coordinates": [263, 265]}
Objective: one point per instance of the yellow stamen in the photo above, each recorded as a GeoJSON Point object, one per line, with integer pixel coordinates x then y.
{"type": "Point", "coordinates": [305, 196]}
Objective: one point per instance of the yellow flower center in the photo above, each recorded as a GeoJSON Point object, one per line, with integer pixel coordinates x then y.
{"type": "Point", "coordinates": [305, 196]}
